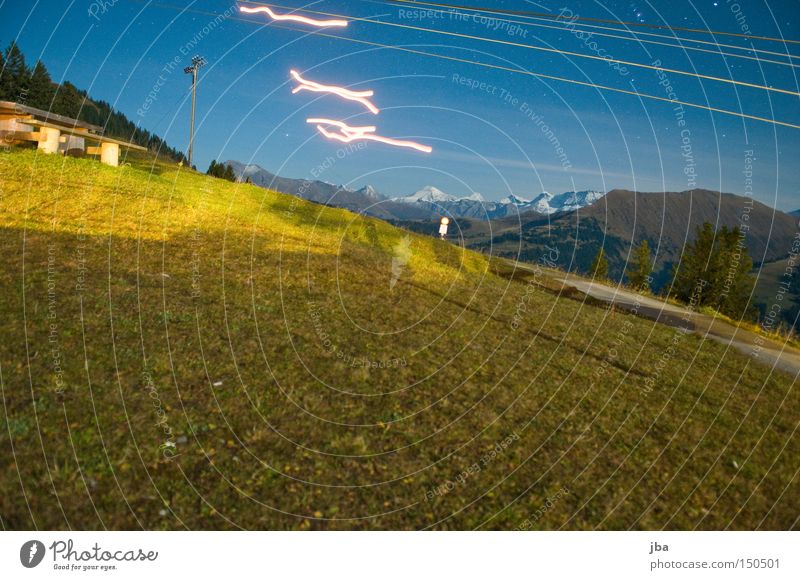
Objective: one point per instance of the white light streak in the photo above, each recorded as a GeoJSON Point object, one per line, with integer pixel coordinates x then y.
{"type": "Point", "coordinates": [292, 17]}
{"type": "Point", "coordinates": [358, 96]}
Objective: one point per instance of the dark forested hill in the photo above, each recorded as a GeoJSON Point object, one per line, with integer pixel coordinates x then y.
{"type": "Point", "coordinates": [33, 87]}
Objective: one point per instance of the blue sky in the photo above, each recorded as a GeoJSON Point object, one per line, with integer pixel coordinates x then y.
{"type": "Point", "coordinates": [493, 131]}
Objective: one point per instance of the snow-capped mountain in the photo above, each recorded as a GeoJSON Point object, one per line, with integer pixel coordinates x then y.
{"type": "Point", "coordinates": [428, 194]}
{"type": "Point", "coordinates": [428, 203]}
{"type": "Point", "coordinates": [439, 203]}
{"type": "Point", "coordinates": [573, 200]}
{"type": "Point", "coordinates": [431, 194]}
{"type": "Point", "coordinates": [370, 192]}
{"type": "Point", "coordinates": [475, 206]}
{"type": "Point", "coordinates": [514, 200]}
{"type": "Point", "coordinates": [540, 204]}
{"type": "Point", "coordinates": [547, 203]}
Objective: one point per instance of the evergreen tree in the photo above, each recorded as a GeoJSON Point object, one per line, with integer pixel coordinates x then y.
{"type": "Point", "coordinates": [42, 90]}
{"type": "Point", "coordinates": [68, 101]}
{"type": "Point", "coordinates": [229, 174]}
{"type": "Point", "coordinates": [639, 277]}
{"type": "Point", "coordinates": [714, 271]}
{"type": "Point", "coordinates": [4, 96]}
{"type": "Point", "coordinates": [221, 171]}
{"type": "Point", "coordinates": [16, 75]}
{"type": "Point", "coordinates": [600, 265]}
{"type": "Point", "coordinates": [690, 278]}
{"type": "Point", "coordinates": [734, 297]}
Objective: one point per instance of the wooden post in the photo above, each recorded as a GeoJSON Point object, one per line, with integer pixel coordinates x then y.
{"type": "Point", "coordinates": [109, 154]}
{"type": "Point", "coordinates": [49, 140]}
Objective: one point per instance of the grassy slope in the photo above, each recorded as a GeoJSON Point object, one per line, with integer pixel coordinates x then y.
{"type": "Point", "coordinates": [274, 429]}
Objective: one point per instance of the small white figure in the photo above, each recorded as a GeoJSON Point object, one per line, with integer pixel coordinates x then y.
{"type": "Point", "coordinates": [443, 227]}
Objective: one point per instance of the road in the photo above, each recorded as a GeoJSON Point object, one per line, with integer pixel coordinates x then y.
{"type": "Point", "coordinates": [770, 352]}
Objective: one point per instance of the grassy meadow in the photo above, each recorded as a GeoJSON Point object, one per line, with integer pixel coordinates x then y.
{"type": "Point", "coordinates": [178, 351]}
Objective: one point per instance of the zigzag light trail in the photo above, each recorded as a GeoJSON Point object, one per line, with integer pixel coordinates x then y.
{"type": "Point", "coordinates": [358, 96]}
{"type": "Point", "coordinates": [292, 17]}
{"type": "Point", "coordinates": [349, 134]}
{"type": "Point", "coordinates": [344, 126]}
{"type": "Point", "coordinates": [530, 73]}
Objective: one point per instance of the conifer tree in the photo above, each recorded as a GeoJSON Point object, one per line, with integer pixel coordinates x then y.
{"type": "Point", "coordinates": [714, 271]}
{"type": "Point", "coordinates": [639, 277]}
{"type": "Point", "coordinates": [68, 101]}
{"type": "Point", "coordinates": [736, 282]}
{"type": "Point", "coordinates": [600, 265]}
{"type": "Point", "coordinates": [229, 174]}
{"type": "Point", "coordinates": [692, 272]}
{"type": "Point", "coordinates": [16, 75]}
{"type": "Point", "coordinates": [3, 95]}
{"type": "Point", "coordinates": [41, 91]}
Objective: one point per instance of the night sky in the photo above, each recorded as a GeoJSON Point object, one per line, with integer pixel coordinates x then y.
{"type": "Point", "coordinates": [492, 138]}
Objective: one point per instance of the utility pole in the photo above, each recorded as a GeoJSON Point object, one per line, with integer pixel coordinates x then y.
{"type": "Point", "coordinates": [197, 62]}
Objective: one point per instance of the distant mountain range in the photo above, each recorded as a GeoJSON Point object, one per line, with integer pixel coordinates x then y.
{"type": "Point", "coordinates": [570, 225]}
{"type": "Point", "coordinates": [548, 204]}
{"type": "Point", "coordinates": [365, 200]}
{"type": "Point", "coordinates": [474, 206]}
{"type": "Point", "coordinates": [622, 219]}
{"type": "Point", "coordinates": [426, 204]}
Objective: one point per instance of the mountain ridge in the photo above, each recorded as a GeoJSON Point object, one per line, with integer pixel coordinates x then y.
{"type": "Point", "coordinates": [429, 202]}
{"type": "Point", "coordinates": [623, 218]}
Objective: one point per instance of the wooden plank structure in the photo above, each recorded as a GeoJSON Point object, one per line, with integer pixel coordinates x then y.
{"type": "Point", "coordinates": [58, 134]}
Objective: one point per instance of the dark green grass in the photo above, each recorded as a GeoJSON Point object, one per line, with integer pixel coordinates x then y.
{"type": "Point", "coordinates": [203, 320]}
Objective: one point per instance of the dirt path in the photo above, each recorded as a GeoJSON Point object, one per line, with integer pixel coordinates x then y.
{"type": "Point", "coordinates": [767, 351]}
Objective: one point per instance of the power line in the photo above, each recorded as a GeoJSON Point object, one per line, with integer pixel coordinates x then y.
{"type": "Point", "coordinates": [532, 21]}
{"type": "Point", "coordinates": [573, 81]}
{"type": "Point", "coordinates": [507, 69]}
{"type": "Point", "coordinates": [603, 20]}
{"type": "Point", "coordinates": [553, 51]}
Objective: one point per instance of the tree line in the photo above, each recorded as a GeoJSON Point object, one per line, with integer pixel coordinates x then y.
{"type": "Point", "coordinates": [33, 87]}
{"type": "Point", "coordinates": [221, 170]}
{"type": "Point", "coordinates": [713, 271]}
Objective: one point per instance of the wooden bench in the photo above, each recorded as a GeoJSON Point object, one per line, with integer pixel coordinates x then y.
{"type": "Point", "coordinates": [50, 131]}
